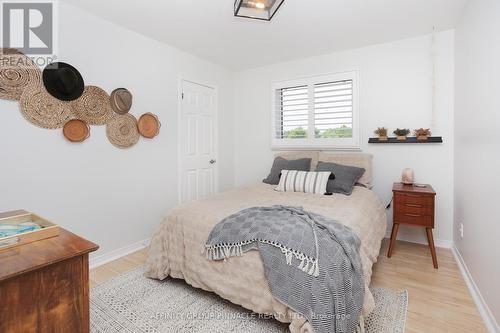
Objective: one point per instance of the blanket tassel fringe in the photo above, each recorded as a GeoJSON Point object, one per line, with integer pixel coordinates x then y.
{"type": "Point", "coordinates": [361, 325]}
{"type": "Point", "coordinates": [224, 251]}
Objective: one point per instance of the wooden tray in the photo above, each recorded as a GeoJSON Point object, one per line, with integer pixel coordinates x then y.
{"type": "Point", "coordinates": [48, 229]}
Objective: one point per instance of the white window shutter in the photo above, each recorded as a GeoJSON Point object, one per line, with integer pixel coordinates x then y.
{"type": "Point", "coordinates": [316, 113]}
{"type": "Point", "coordinates": [292, 113]}
{"type": "Point", "coordinates": [333, 109]}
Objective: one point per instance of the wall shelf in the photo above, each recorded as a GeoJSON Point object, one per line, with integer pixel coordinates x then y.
{"type": "Point", "coordinates": [431, 139]}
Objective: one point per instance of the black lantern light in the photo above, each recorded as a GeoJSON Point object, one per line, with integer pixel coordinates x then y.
{"type": "Point", "coordinates": [257, 9]}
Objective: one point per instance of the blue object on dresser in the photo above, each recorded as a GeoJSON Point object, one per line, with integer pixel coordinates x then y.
{"type": "Point", "coordinates": [7, 230]}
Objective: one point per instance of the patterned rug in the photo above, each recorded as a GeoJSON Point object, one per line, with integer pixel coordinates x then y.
{"type": "Point", "coordinates": [133, 303]}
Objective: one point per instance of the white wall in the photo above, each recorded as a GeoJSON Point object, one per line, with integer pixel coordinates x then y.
{"type": "Point", "coordinates": [396, 91]}
{"type": "Point", "coordinates": [111, 196]}
{"type": "Point", "coordinates": [477, 159]}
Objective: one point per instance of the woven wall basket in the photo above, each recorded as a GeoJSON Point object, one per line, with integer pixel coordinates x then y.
{"type": "Point", "coordinates": [122, 131]}
{"type": "Point", "coordinates": [76, 130]}
{"type": "Point", "coordinates": [149, 125]}
{"type": "Point", "coordinates": [93, 106]}
{"type": "Point", "coordinates": [43, 110]}
{"type": "Point", "coordinates": [17, 72]}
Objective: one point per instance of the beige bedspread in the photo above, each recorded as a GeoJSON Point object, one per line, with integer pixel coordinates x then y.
{"type": "Point", "coordinates": [177, 246]}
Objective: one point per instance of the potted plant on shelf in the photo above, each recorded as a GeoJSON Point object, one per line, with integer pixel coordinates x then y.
{"type": "Point", "coordinates": [401, 133]}
{"type": "Point", "coordinates": [422, 134]}
{"type": "Point", "coordinates": [382, 133]}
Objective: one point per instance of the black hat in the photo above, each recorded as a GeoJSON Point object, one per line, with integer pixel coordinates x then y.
{"type": "Point", "coordinates": [63, 81]}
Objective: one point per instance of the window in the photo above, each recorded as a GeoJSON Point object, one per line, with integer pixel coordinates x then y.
{"type": "Point", "coordinates": [293, 112]}
{"type": "Point", "coordinates": [317, 112]}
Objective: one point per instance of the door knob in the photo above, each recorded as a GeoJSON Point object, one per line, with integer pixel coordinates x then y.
{"type": "Point", "coordinates": [213, 161]}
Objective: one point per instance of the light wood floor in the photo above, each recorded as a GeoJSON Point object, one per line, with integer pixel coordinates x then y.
{"type": "Point", "coordinates": [439, 300]}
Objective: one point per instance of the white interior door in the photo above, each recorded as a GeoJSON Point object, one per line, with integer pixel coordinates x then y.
{"type": "Point", "coordinates": [198, 164]}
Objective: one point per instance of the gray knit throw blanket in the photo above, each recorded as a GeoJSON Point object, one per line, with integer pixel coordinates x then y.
{"type": "Point", "coordinates": [311, 263]}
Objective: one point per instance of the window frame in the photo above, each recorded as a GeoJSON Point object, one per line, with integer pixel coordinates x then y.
{"type": "Point", "coordinates": [311, 142]}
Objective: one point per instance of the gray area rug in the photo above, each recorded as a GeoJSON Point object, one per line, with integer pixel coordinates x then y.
{"type": "Point", "coordinates": [133, 303]}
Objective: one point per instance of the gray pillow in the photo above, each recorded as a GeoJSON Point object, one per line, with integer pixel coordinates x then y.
{"type": "Point", "coordinates": [302, 164]}
{"type": "Point", "coordinates": [345, 177]}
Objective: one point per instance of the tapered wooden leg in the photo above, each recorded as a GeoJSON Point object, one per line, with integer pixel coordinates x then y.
{"type": "Point", "coordinates": [394, 235]}
{"type": "Point", "coordinates": [430, 239]}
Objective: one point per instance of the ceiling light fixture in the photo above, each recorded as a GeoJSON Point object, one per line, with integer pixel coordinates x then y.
{"type": "Point", "coordinates": [257, 9]}
{"type": "Point", "coordinates": [259, 5]}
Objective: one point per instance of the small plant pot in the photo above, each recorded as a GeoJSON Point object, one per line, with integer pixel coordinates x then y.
{"type": "Point", "coordinates": [401, 138]}
{"type": "Point", "coordinates": [383, 138]}
{"type": "Point", "coordinates": [422, 138]}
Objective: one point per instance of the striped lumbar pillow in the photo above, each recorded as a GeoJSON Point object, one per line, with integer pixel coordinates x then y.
{"type": "Point", "coordinates": [303, 181]}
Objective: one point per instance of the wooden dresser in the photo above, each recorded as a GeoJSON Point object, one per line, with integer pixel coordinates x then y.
{"type": "Point", "coordinates": [414, 206]}
{"type": "Point", "coordinates": [44, 285]}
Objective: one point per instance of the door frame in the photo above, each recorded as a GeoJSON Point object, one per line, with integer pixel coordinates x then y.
{"type": "Point", "coordinates": [183, 79]}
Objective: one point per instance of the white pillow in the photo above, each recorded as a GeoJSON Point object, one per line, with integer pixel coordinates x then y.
{"type": "Point", "coordinates": [303, 181]}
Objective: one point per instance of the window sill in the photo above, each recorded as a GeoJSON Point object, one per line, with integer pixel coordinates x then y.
{"type": "Point", "coordinates": [314, 147]}
{"type": "Point", "coordinates": [338, 144]}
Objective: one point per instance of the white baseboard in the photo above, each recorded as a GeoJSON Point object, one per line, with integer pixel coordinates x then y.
{"type": "Point", "coordinates": [118, 253]}
{"type": "Point", "coordinates": [488, 318]}
{"type": "Point", "coordinates": [443, 243]}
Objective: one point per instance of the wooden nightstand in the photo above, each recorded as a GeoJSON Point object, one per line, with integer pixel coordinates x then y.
{"type": "Point", "coordinates": [414, 206]}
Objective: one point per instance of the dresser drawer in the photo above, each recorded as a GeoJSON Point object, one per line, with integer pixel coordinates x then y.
{"type": "Point", "coordinates": [417, 199]}
{"type": "Point", "coordinates": [417, 219]}
{"type": "Point", "coordinates": [415, 209]}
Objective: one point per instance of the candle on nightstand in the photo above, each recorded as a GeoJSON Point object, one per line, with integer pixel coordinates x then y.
{"type": "Point", "coordinates": [407, 177]}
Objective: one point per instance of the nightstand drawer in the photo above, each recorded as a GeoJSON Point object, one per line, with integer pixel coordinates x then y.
{"type": "Point", "coordinates": [416, 209]}
{"type": "Point", "coordinates": [417, 219]}
{"type": "Point", "coordinates": [418, 199]}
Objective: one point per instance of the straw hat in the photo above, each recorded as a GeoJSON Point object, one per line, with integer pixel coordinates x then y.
{"type": "Point", "coordinates": [63, 81]}
{"type": "Point", "coordinates": [43, 110]}
{"type": "Point", "coordinates": [17, 72]}
{"type": "Point", "coordinates": [93, 106]}
{"type": "Point", "coordinates": [121, 100]}
{"type": "Point", "coordinates": [122, 131]}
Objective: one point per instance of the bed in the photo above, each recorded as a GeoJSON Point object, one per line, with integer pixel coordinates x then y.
{"type": "Point", "coordinates": [177, 247]}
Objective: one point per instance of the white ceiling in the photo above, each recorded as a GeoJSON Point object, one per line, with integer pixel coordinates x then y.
{"type": "Point", "coordinates": [301, 28]}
